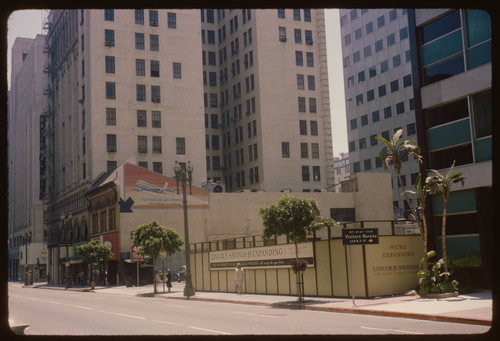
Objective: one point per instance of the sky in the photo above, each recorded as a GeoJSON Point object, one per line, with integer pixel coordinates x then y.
{"type": "Point", "coordinates": [28, 23]}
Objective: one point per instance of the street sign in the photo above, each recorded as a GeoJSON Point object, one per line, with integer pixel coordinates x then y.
{"type": "Point", "coordinates": [360, 236]}
{"type": "Point", "coordinates": [136, 257]}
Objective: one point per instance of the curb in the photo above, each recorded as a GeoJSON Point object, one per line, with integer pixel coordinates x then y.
{"type": "Point", "coordinates": [437, 318]}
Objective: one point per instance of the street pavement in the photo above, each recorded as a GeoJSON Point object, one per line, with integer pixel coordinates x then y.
{"type": "Point", "coordinates": [474, 308]}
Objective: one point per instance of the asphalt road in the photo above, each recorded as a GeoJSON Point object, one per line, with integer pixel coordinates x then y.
{"type": "Point", "coordinates": [58, 312]}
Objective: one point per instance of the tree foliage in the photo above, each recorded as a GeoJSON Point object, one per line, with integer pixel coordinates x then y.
{"type": "Point", "coordinates": [294, 217]}
{"type": "Point", "coordinates": [94, 251]}
{"type": "Point", "coordinates": [152, 237]}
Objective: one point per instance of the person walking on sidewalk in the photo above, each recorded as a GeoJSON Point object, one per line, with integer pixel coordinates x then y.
{"type": "Point", "coordinates": [169, 280]}
{"type": "Point", "coordinates": [238, 278]}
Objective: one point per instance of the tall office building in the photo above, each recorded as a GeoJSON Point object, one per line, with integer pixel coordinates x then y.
{"type": "Point", "coordinates": [267, 112]}
{"type": "Point", "coordinates": [453, 79]}
{"type": "Point", "coordinates": [25, 217]}
{"type": "Point", "coordinates": [378, 88]}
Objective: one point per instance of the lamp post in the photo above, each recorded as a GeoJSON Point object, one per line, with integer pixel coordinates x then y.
{"type": "Point", "coordinates": [185, 176]}
{"type": "Point", "coordinates": [65, 222]}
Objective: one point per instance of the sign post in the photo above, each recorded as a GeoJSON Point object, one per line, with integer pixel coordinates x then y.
{"type": "Point", "coordinates": [358, 236]}
{"type": "Point", "coordinates": [136, 258]}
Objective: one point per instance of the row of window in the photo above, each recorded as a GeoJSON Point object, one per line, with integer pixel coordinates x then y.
{"type": "Point", "coordinates": [312, 104]}
{"type": "Point", "coordinates": [140, 67]}
{"type": "Point", "coordinates": [139, 42]}
{"type": "Point", "coordinates": [142, 144]}
{"type": "Point", "coordinates": [299, 59]}
{"type": "Point", "coordinates": [400, 108]}
{"type": "Point", "coordinates": [313, 127]}
{"type": "Point", "coordinates": [362, 142]}
{"type": "Point", "coordinates": [140, 92]}
{"type": "Point", "coordinates": [384, 66]}
{"type": "Point", "coordinates": [353, 14]}
{"type": "Point", "coordinates": [297, 35]}
{"type": "Point", "coordinates": [316, 173]}
{"type": "Point", "coordinates": [239, 156]}
{"type": "Point", "coordinates": [382, 90]}
{"type": "Point", "coordinates": [304, 150]}
{"type": "Point", "coordinates": [109, 15]}
{"type": "Point", "coordinates": [379, 46]}
{"type": "Point", "coordinates": [296, 14]}
{"type": "Point", "coordinates": [141, 118]}
{"type": "Point", "coordinates": [238, 135]}
{"type": "Point", "coordinates": [311, 82]}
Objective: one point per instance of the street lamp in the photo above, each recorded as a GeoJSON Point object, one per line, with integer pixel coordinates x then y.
{"type": "Point", "coordinates": [183, 178]}
{"type": "Point", "coordinates": [64, 222]}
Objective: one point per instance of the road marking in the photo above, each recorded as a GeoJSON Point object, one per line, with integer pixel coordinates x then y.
{"type": "Point", "coordinates": [79, 306]}
{"type": "Point", "coordinates": [210, 330]}
{"type": "Point", "coordinates": [171, 323]}
{"type": "Point", "coordinates": [392, 330]}
{"type": "Point", "coordinates": [54, 302]}
{"type": "Point", "coordinates": [135, 317]}
{"type": "Point", "coordinates": [253, 314]}
{"type": "Point", "coordinates": [177, 306]}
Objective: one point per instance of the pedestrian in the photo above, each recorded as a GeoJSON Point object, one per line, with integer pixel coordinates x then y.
{"type": "Point", "coordinates": [169, 280]}
{"type": "Point", "coordinates": [238, 278]}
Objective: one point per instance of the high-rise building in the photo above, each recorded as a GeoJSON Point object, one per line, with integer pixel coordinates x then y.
{"type": "Point", "coordinates": [342, 170]}
{"type": "Point", "coordinates": [378, 89]}
{"type": "Point", "coordinates": [267, 112]}
{"type": "Point", "coordinates": [452, 80]}
{"type": "Point", "coordinates": [25, 218]}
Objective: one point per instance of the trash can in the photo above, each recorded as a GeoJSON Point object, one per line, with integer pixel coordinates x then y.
{"type": "Point", "coordinates": [128, 281]}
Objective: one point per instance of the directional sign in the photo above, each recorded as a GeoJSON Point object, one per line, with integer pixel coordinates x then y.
{"type": "Point", "coordinates": [360, 236]}
{"type": "Point", "coordinates": [135, 256]}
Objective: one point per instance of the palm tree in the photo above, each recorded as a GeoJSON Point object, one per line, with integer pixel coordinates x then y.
{"type": "Point", "coordinates": [441, 186]}
{"type": "Point", "coordinates": [392, 153]}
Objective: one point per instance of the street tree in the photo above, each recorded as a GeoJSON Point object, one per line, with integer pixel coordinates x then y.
{"type": "Point", "coordinates": [93, 252]}
{"type": "Point", "coordinates": [441, 186]}
{"type": "Point", "coordinates": [295, 218]}
{"type": "Point", "coordinates": [153, 238]}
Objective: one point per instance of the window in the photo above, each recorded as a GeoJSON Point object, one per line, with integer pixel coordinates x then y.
{"type": "Point", "coordinates": [303, 127]}
{"type": "Point", "coordinates": [354, 123]}
{"type": "Point", "coordinates": [372, 71]}
{"type": "Point", "coordinates": [357, 34]}
{"type": "Point", "coordinates": [304, 151]}
{"type": "Point", "coordinates": [355, 167]}
{"type": "Point", "coordinates": [212, 77]}
{"type": "Point", "coordinates": [282, 33]}
{"type": "Point", "coordinates": [314, 128]}
{"type": "Point", "coordinates": [375, 116]}
{"type": "Point", "coordinates": [367, 51]}
{"type": "Point", "coordinates": [369, 27]}
{"type": "Point", "coordinates": [479, 37]}
{"type": "Point", "coordinates": [307, 14]}
{"type": "Point", "coordinates": [158, 167]}
{"type": "Point", "coordinates": [213, 100]}
{"type": "Point", "coordinates": [154, 42]}
{"type": "Point", "coordinates": [305, 173]}
{"type": "Point", "coordinates": [298, 36]}
{"type": "Point", "coordinates": [382, 91]}
{"type": "Point", "coordinates": [109, 37]}
{"type": "Point", "coordinates": [356, 57]}
{"type": "Point", "coordinates": [379, 45]}
{"type": "Point", "coordinates": [373, 140]}
{"type": "Point", "coordinates": [385, 135]}
{"type": "Point", "coordinates": [403, 33]}
{"type": "Point", "coordinates": [109, 15]}
{"type": "Point", "coordinates": [110, 166]}
{"type": "Point", "coordinates": [296, 14]}
{"type": "Point", "coordinates": [393, 15]}
{"type": "Point", "coordinates": [281, 13]}
{"type": "Point", "coordinates": [364, 120]}
{"type": "Point", "coordinates": [482, 114]}
{"type": "Point", "coordinates": [155, 93]}
{"type": "Point", "coordinates": [141, 118]}
{"type": "Point", "coordinates": [210, 16]}
{"type": "Point", "coordinates": [312, 105]}
{"type": "Point", "coordinates": [111, 116]}
{"type": "Point", "coordinates": [110, 90]}
{"type": "Point", "coordinates": [311, 84]}
{"type": "Point", "coordinates": [302, 104]}
{"type": "Point", "coordinates": [387, 112]}
{"type": "Point", "coordinates": [140, 67]}
{"type": "Point", "coordinates": [298, 58]}
{"type": "Point", "coordinates": [353, 14]}
{"type": "Point", "coordinates": [394, 85]}
{"type": "Point", "coordinates": [139, 41]}
{"type": "Point", "coordinates": [368, 164]}
{"type": "Point", "coordinates": [155, 68]}
{"type": "Point", "coordinates": [309, 37]}
{"type": "Point", "coordinates": [156, 119]}
{"type": "Point", "coordinates": [156, 144]}
{"type": "Point", "coordinates": [110, 143]}
{"type": "Point", "coordinates": [362, 143]}
{"type": "Point", "coordinates": [211, 37]}
{"type": "Point", "coordinates": [400, 108]}
{"type": "Point", "coordinates": [143, 164]}
{"type": "Point", "coordinates": [359, 99]}
{"type": "Point", "coordinates": [300, 84]}
{"type": "Point", "coordinates": [380, 21]}
{"type": "Point", "coordinates": [177, 70]}
{"type": "Point", "coordinates": [171, 20]}
{"type": "Point", "coordinates": [384, 66]}
{"type": "Point", "coordinates": [410, 129]}
{"type": "Point", "coordinates": [139, 17]}
{"type": "Point", "coordinates": [347, 39]}
{"type": "Point", "coordinates": [370, 95]}
{"type": "Point", "coordinates": [140, 92]}
{"type": "Point", "coordinates": [343, 214]}
{"type": "Point", "coordinates": [391, 39]}
{"type": "Point", "coordinates": [180, 145]}
{"type": "Point", "coordinates": [361, 76]}
{"type": "Point", "coordinates": [142, 144]}
{"type": "Point", "coordinates": [316, 173]}
{"type": "Point", "coordinates": [153, 17]}
{"type": "Point", "coordinates": [407, 81]}
{"type": "Point", "coordinates": [215, 142]}
{"type": "Point", "coordinates": [110, 64]}
{"type": "Point", "coordinates": [396, 60]}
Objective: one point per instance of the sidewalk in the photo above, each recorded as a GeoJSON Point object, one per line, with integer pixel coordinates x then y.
{"type": "Point", "coordinates": [475, 308]}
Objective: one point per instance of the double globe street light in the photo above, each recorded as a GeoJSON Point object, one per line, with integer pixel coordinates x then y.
{"type": "Point", "coordinates": [184, 176]}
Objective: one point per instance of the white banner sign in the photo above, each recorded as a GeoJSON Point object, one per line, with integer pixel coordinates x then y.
{"type": "Point", "coordinates": [275, 256]}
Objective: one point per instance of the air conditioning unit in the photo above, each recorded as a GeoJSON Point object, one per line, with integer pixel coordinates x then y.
{"type": "Point", "coordinates": [309, 42]}
{"type": "Point", "coordinates": [156, 100]}
{"type": "Point", "coordinates": [154, 23]}
{"type": "Point", "coordinates": [214, 187]}
{"type": "Point", "coordinates": [108, 43]}
{"type": "Point", "coordinates": [282, 39]}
